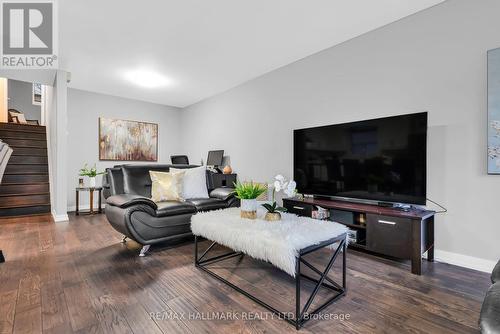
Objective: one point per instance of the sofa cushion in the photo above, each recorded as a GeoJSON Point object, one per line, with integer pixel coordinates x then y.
{"type": "Point", "coordinates": [207, 204]}
{"type": "Point", "coordinates": [172, 208]}
{"type": "Point", "coordinates": [194, 183]}
{"type": "Point", "coordinates": [495, 275]}
{"type": "Point", "coordinates": [223, 193]}
{"type": "Point", "coordinates": [489, 320]}
{"type": "Point", "coordinates": [166, 186]}
{"type": "Point", "coordinates": [136, 179]}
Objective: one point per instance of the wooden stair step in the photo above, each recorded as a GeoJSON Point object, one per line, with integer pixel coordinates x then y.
{"type": "Point", "coordinates": [24, 189]}
{"type": "Point", "coordinates": [23, 127]}
{"type": "Point", "coordinates": [25, 142]}
{"type": "Point", "coordinates": [26, 169]}
{"type": "Point", "coordinates": [24, 178]}
{"type": "Point", "coordinates": [28, 160]}
{"type": "Point", "coordinates": [25, 211]}
{"type": "Point", "coordinates": [30, 151]}
{"type": "Point", "coordinates": [24, 200]}
{"type": "Point", "coordinates": [25, 194]}
{"type": "Point", "coordinates": [22, 135]}
{"type": "Point", "coordinates": [25, 185]}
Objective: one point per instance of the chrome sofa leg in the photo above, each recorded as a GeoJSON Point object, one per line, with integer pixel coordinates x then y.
{"type": "Point", "coordinates": [144, 250]}
{"type": "Point", "coordinates": [124, 239]}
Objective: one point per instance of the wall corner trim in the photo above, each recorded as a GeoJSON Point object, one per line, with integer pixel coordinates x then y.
{"type": "Point", "coordinates": [59, 218]}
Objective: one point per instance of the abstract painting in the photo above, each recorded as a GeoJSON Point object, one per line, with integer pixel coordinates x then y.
{"type": "Point", "coordinates": [127, 140]}
{"type": "Point", "coordinates": [494, 111]}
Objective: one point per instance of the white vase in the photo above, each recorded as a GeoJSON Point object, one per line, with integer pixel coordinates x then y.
{"type": "Point", "coordinates": [249, 208]}
{"type": "Point", "coordinates": [92, 182]}
{"type": "Point", "coordinates": [249, 204]}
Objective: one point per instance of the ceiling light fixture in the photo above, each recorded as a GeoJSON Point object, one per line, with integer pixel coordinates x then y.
{"type": "Point", "coordinates": [147, 78]}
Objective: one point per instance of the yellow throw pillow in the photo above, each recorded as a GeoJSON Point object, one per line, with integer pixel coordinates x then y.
{"type": "Point", "coordinates": [166, 186]}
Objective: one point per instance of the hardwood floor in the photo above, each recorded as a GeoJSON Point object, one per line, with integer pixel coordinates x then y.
{"type": "Point", "coordinates": [77, 277]}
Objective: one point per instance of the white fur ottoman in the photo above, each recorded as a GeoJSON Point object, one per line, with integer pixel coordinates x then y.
{"type": "Point", "coordinates": [276, 242]}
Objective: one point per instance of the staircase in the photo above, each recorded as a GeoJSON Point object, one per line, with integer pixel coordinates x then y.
{"type": "Point", "coordinates": [25, 185]}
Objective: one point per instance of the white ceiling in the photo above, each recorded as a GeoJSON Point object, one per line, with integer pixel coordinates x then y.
{"type": "Point", "coordinates": [205, 47]}
{"type": "Point", "coordinates": [45, 77]}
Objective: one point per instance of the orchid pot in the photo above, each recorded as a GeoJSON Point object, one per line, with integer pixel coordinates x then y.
{"type": "Point", "coordinates": [272, 216]}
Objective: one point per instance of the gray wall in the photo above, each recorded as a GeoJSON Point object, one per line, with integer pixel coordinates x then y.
{"type": "Point", "coordinates": [20, 98]}
{"type": "Point", "coordinates": [84, 110]}
{"type": "Point", "coordinates": [433, 61]}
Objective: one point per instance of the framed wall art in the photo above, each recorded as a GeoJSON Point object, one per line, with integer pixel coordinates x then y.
{"type": "Point", "coordinates": [123, 140]}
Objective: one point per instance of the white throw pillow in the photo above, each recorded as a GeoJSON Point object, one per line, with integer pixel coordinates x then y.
{"type": "Point", "coordinates": [194, 184]}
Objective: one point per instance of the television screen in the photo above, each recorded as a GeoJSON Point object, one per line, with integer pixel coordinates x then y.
{"type": "Point", "coordinates": [382, 160]}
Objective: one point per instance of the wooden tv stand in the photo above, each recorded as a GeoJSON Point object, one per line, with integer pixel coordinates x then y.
{"type": "Point", "coordinates": [387, 231]}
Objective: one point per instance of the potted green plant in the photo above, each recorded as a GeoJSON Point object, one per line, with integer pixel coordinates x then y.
{"type": "Point", "coordinates": [91, 173]}
{"type": "Point", "coordinates": [288, 187]}
{"type": "Point", "coordinates": [248, 192]}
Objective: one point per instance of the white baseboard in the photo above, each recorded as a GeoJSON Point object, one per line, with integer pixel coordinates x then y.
{"type": "Point", "coordinates": [59, 218]}
{"type": "Point", "coordinates": [464, 261]}
{"type": "Point", "coordinates": [84, 207]}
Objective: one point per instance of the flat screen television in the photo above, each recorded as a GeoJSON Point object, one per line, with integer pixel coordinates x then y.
{"type": "Point", "coordinates": [379, 160]}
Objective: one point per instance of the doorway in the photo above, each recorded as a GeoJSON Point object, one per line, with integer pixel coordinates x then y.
{"type": "Point", "coordinates": [22, 102]}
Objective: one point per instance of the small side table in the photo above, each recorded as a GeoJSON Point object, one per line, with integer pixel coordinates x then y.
{"type": "Point", "coordinates": [91, 193]}
{"type": "Point", "coordinates": [223, 180]}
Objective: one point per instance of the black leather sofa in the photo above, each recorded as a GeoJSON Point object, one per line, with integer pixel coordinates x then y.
{"type": "Point", "coordinates": [489, 320]}
{"type": "Point", "coordinates": [131, 212]}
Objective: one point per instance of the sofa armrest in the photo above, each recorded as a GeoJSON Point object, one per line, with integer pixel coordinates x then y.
{"type": "Point", "coordinates": [489, 319]}
{"type": "Point", "coordinates": [223, 193]}
{"type": "Point", "coordinates": [495, 275]}
{"type": "Point", "coordinates": [126, 200]}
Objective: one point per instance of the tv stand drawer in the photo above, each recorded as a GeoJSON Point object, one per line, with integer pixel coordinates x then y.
{"type": "Point", "coordinates": [298, 208]}
{"type": "Point", "coordinates": [389, 235]}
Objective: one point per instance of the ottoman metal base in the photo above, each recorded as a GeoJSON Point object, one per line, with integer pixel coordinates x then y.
{"type": "Point", "coordinates": [301, 315]}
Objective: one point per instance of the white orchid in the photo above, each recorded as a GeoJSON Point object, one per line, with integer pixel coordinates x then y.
{"type": "Point", "coordinates": [281, 183]}
{"type": "Point", "coordinates": [277, 186]}
{"type": "Point", "coordinates": [290, 189]}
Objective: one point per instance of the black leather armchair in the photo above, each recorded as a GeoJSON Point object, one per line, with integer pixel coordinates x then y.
{"type": "Point", "coordinates": [131, 212]}
{"type": "Point", "coordinates": [489, 320]}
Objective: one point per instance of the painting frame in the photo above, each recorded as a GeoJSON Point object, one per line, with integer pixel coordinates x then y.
{"type": "Point", "coordinates": [493, 118]}
{"type": "Point", "coordinates": [100, 138]}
